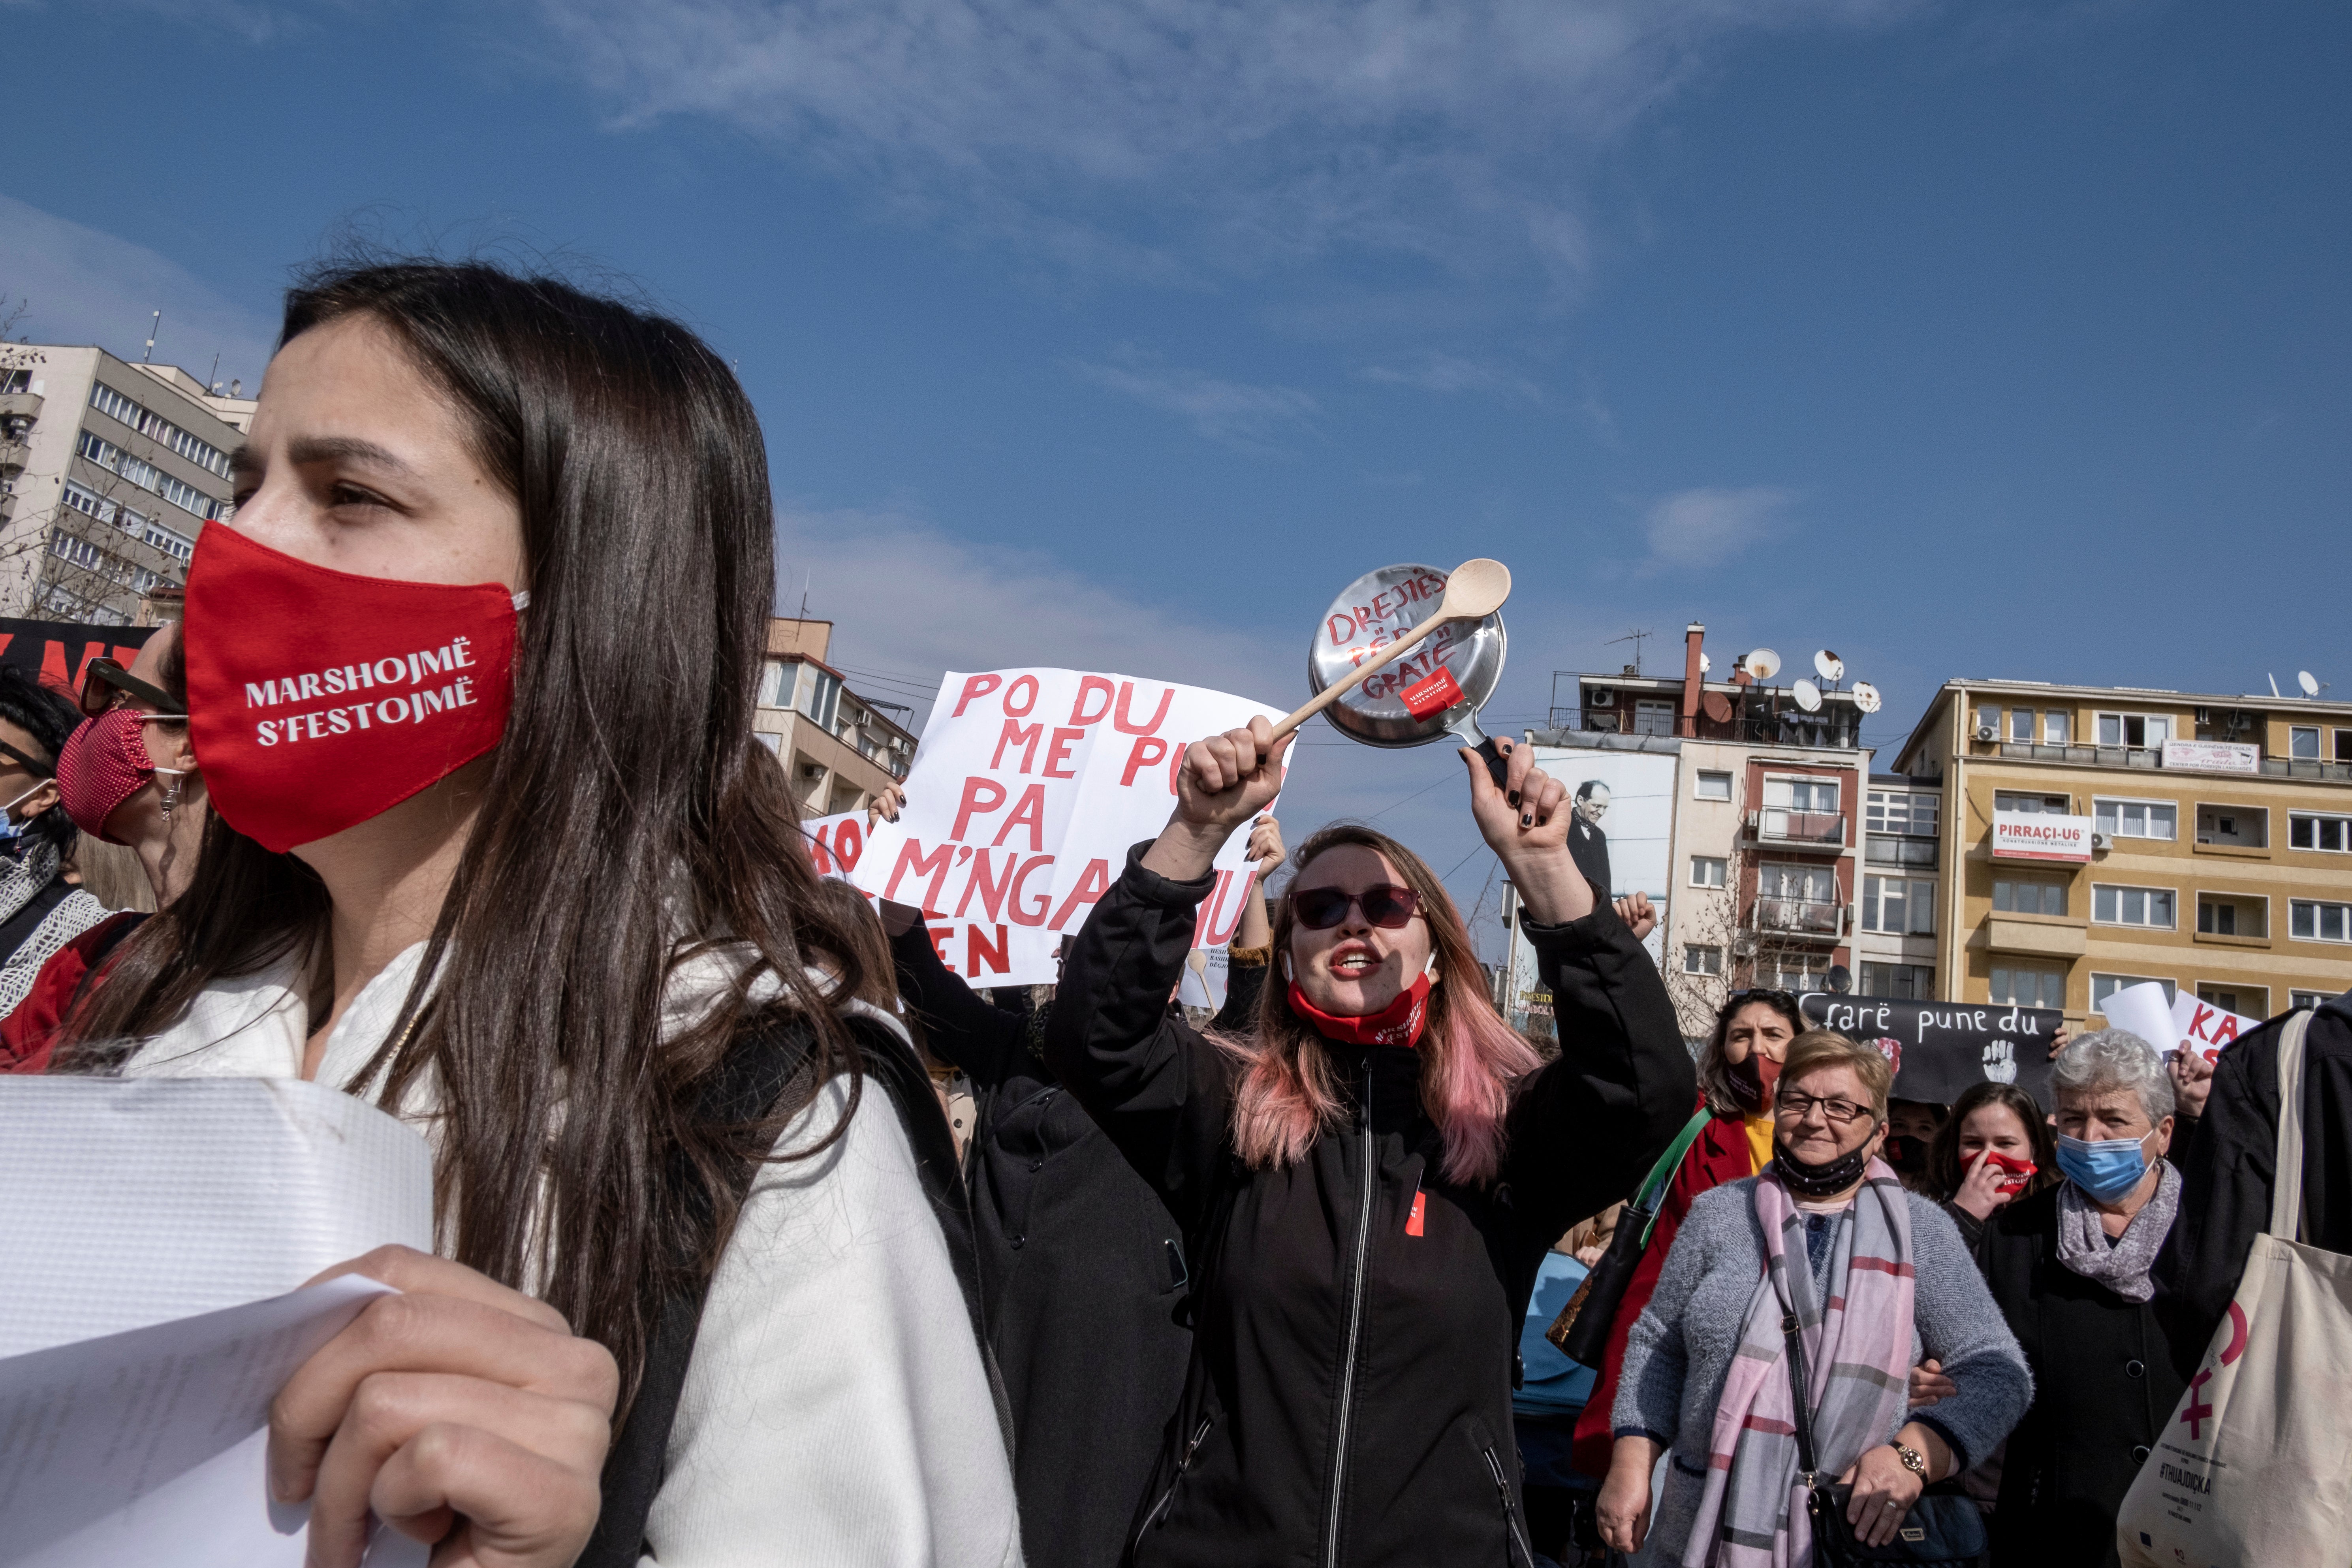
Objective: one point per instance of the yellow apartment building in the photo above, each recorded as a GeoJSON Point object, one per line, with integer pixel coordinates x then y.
{"type": "Point", "coordinates": [2097, 837]}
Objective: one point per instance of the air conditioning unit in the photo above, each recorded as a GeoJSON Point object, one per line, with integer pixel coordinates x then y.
{"type": "Point", "coordinates": [2101, 841]}
{"type": "Point", "coordinates": [1987, 732]}
{"type": "Point", "coordinates": [1601, 696]}
{"type": "Point", "coordinates": [2204, 715]}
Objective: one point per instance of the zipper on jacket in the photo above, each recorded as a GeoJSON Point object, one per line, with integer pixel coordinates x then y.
{"type": "Point", "coordinates": [1159, 1508]}
{"type": "Point", "coordinates": [1355, 1331]}
{"type": "Point", "coordinates": [1510, 1513]}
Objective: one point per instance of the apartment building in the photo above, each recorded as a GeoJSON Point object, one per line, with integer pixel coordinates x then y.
{"type": "Point", "coordinates": [2098, 837]}
{"type": "Point", "coordinates": [1763, 864]}
{"type": "Point", "coordinates": [108, 471]}
{"type": "Point", "coordinates": [837, 748]}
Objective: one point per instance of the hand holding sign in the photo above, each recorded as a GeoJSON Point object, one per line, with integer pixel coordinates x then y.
{"type": "Point", "coordinates": [1224, 781]}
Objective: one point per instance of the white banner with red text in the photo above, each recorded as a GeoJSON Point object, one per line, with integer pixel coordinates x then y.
{"type": "Point", "coordinates": [1027, 791]}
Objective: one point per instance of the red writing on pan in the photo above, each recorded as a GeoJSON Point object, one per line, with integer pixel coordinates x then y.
{"type": "Point", "coordinates": [1420, 592]}
{"type": "Point", "coordinates": [1424, 698]}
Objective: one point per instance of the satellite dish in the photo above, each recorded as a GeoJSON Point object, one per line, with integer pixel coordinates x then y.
{"type": "Point", "coordinates": [1705, 664]}
{"type": "Point", "coordinates": [1763, 664]}
{"type": "Point", "coordinates": [2308, 681]}
{"type": "Point", "coordinates": [1829, 667]}
{"type": "Point", "coordinates": [1865, 697]}
{"type": "Point", "coordinates": [1717, 706]}
{"type": "Point", "coordinates": [1809, 696]}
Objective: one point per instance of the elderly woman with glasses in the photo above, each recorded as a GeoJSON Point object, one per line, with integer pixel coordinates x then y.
{"type": "Point", "coordinates": [2069, 1267]}
{"type": "Point", "coordinates": [1368, 1181]}
{"type": "Point", "coordinates": [1873, 1278]}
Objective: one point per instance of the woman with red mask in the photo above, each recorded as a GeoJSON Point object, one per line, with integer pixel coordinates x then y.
{"type": "Point", "coordinates": [1738, 1069]}
{"type": "Point", "coordinates": [129, 776]}
{"type": "Point", "coordinates": [1368, 1185]}
{"type": "Point", "coordinates": [471, 675]}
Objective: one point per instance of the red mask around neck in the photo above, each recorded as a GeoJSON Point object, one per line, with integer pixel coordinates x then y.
{"type": "Point", "coordinates": [1398, 1023]}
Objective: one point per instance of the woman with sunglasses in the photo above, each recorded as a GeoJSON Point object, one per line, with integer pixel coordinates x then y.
{"type": "Point", "coordinates": [40, 912]}
{"type": "Point", "coordinates": [1738, 1068]}
{"type": "Point", "coordinates": [1369, 1184]}
{"type": "Point", "coordinates": [128, 775]}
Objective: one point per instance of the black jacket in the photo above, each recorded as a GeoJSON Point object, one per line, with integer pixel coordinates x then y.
{"type": "Point", "coordinates": [2104, 1387]}
{"type": "Point", "coordinates": [1081, 1271]}
{"type": "Point", "coordinates": [1348, 1397]}
{"type": "Point", "coordinates": [2225, 1179]}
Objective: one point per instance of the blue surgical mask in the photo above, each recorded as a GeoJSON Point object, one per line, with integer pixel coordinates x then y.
{"type": "Point", "coordinates": [2106, 1169]}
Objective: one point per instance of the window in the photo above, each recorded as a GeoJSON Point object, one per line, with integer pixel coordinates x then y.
{"type": "Point", "coordinates": [2313, 921]}
{"type": "Point", "coordinates": [1793, 971]}
{"type": "Point", "coordinates": [2215, 918]}
{"type": "Point", "coordinates": [1797, 884]}
{"type": "Point", "coordinates": [2028, 896]}
{"type": "Point", "coordinates": [2012, 800]}
{"type": "Point", "coordinates": [1708, 870]}
{"type": "Point", "coordinates": [775, 743]}
{"type": "Point", "coordinates": [81, 498]}
{"type": "Point", "coordinates": [1893, 811]}
{"type": "Point", "coordinates": [2344, 745]}
{"type": "Point", "coordinates": [1902, 906]}
{"type": "Point", "coordinates": [2136, 818]}
{"type": "Point", "coordinates": [1904, 982]}
{"type": "Point", "coordinates": [2020, 724]}
{"type": "Point", "coordinates": [76, 552]}
{"type": "Point", "coordinates": [1816, 795]}
{"type": "Point", "coordinates": [2030, 987]}
{"type": "Point", "coordinates": [1699, 958]}
{"type": "Point", "coordinates": [113, 404]}
{"type": "Point", "coordinates": [1886, 849]}
{"type": "Point", "coordinates": [2134, 729]}
{"type": "Point", "coordinates": [1652, 717]}
{"type": "Point", "coordinates": [1989, 719]}
{"type": "Point", "coordinates": [15, 381]}
{"type": "Point", "coordinates": [2330, 833]}
{"type": "Point", "coordinates": [2106, 986]}
{"type": "Point", "coordinates": [2301, 999]}
{"type": "Point", "coordinates": [2234, 826]}
{"type": "Point", "coordinates": [2252, 1001]}
{"type": "Point", "coordinates": [1713, 785]}
{"type": "Point", "coordinates": [819, 694]}
{"type": "Point", "coordinates": [2303, 742]}
{"type": "Point", "coordinates": [2054, 726]}
{"type": "Point", "coordinates": [2149, 906]}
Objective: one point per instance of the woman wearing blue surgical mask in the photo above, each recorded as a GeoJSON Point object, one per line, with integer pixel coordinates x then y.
{"type": "Point", "coordinates": [2069, 1267]}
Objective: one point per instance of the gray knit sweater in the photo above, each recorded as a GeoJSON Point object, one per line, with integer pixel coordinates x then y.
{"type": "Point", "coordinates": [1680, 1350]}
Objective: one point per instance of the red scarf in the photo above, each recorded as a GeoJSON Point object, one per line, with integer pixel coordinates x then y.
{"type": "Point", "coordinates": [1398, 1023]}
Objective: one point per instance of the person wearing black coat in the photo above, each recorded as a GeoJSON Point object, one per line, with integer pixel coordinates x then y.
{"type": "Point", "coordinates": [1357, 1309]}
{"type": "Point", "coordinates": [2225, 1199]}
{"type": "Point", "coordinates": [1081, 1269]}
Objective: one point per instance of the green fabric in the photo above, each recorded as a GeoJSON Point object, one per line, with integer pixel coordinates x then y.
{"type": "Point", "coordinates": [1654, 1185]}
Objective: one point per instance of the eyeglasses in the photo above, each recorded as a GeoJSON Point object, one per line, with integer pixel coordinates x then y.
{"type": "Point", "coordinates": [104, 683]}
{"type": "Point", "coordinates": [1389, 907]}
{"type": "Point", "coordinates": [1792, 1107]}
{"type": "Point", "coordinates": [39, 768]}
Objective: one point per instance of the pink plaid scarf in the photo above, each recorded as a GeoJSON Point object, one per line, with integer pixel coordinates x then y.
{"type": "Point", "coordinates": [1751, 1513]}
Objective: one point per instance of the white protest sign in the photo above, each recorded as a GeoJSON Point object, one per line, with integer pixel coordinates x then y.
{"type": "Point", "coordinates": [2144, 1010]}
{"type": "Point", "coordinates": [835, 843]}
{"type": "Point", "coordinates": [2206, 1029]}
{"type": "Point", "coordinates": [1029, 788]}
{"type": "Point", "coordinates": [2177, 1021]}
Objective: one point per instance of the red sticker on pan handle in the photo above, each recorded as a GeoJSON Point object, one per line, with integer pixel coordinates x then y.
{"type": "Point", "coordinates": [1424, 698]}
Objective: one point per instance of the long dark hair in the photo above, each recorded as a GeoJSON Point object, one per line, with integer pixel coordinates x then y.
{"type": "Point", "coordinates": [1714, 1070]}
{"type": "Point", "coordinates": [624, 824]}
{"type": "Point", "coordinates": [1945, 1171]}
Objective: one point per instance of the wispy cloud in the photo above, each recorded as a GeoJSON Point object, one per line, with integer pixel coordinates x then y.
{"type": "Point", "coordinates": [1448, 374]}
{"type": "Point", "coordinates": [1235, 413]}
{"type": "Point", "coordinates": [83, 286]}
{"type": "Point", "coordinates": [1707, 527]}
{"type": "Point", "coordinates": [1184, 135]}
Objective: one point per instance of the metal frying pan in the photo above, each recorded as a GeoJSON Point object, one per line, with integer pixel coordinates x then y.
{"type": "Point", "coordinates": [1380, 608]}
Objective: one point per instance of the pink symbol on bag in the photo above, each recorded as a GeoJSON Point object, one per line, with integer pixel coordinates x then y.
{"type": "Point", "coordinates": [2237, 1346]}
{"type": "Point", "coordinates": [2198, 1412]}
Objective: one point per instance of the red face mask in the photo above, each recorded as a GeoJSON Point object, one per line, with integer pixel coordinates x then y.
{"type": "Point", "coordinates": [1398, 1023]}
{"type": "Point", "coordinates": [2019, 1171]}
{"type": "Point", "coordinates": [317, 699]}
{"type": "Point", "coordinates": [103, 763]}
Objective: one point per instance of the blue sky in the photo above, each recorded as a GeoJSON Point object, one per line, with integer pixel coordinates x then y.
{"type": "Point", "coordinates": [1989, 339]}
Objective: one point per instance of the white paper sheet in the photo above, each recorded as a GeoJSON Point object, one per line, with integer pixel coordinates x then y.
{"type": "Point", "coordinates": [2146, 1011]}
{"type": "Point", "coordinates": [132, 1400]}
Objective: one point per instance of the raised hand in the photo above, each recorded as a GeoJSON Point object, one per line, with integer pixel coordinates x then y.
{"type": "Point", "coordinates": [1639, 914]}
{"type": "Point", "coordinates": [1266, 852]}
{"type": "Point", "coordinates": [1225, 780]}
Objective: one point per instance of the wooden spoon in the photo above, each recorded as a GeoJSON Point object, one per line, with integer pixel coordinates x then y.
{"type": "Point", "coordinates": [1474, 590]}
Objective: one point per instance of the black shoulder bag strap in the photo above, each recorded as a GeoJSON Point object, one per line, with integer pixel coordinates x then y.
{"type": "Point", "coordinates": [750, 1081]}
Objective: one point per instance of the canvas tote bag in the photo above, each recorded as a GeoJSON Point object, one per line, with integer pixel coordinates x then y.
{"type": "Point", "coordinates": [2254, 1466]}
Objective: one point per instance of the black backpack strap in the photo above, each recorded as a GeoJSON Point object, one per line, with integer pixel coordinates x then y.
{"type": "Point", "coordinates": [752, 1079]}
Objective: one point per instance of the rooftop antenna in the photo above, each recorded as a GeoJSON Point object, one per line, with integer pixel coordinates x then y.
{"type": "Point", "coordinates": [152, 328]}
{"type": "Point", "coordinates": [212, 378]}
{"type": "Point", "coordinates": [2273, 681]}
{"type": "Point", "coordinates": [805, 576]}
{"type": "Point", "coordinates": [1636, 638]}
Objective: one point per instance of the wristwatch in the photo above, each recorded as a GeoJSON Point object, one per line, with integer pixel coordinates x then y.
{"type": "Point", "coordinates": [1913, 1461]}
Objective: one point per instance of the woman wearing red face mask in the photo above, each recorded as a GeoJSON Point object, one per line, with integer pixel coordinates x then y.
{"type": "Point", "coordinates": [128, 776]}
{"type": "Point", "coordinates": [1368, 1186]}
{"type": "Point", "coordinates": [472, 677]}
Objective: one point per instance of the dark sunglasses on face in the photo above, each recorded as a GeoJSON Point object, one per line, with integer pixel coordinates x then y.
{"type": "Point", "coordinates": [104, 682]}
{"type": "Point", "coordinates": [1390, 907]}
{"type": "Point", "coordinates": [34, 765]}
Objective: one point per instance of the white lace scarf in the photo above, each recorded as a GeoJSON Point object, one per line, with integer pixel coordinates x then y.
{"type": "Point", "coordinates": [75, 914]}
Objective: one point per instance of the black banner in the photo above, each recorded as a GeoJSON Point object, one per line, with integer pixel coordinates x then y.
{"type": "Point", "coordinates": [1939, 1048]}
{"type": "Point", "coordinates": [56, 651]}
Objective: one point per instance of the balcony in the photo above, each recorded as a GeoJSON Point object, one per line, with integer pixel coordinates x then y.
{"type": "Point", "coordinates": [1804, 829]}
{"type": "Point", "coordinates": [2037, 936]}
{"type": "Point", "coordinates": [2306, 768]}
{"type": "Point", "coordinates": [1816, 919]}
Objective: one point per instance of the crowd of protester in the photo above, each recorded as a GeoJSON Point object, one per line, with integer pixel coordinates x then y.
{"type": "Point", "coordinates": [717, 1282]}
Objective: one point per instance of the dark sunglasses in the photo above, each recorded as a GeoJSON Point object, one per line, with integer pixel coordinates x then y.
{"type": "Point", "coordinates": [104, 682]}
{"type": "Point", "coordinates": [1390, 907]}
{"type": "Point", "coordinates": [38, 767]}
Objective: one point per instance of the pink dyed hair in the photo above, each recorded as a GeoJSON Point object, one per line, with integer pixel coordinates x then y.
{"type": "Point", "coordinates": [1469, 1057]}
